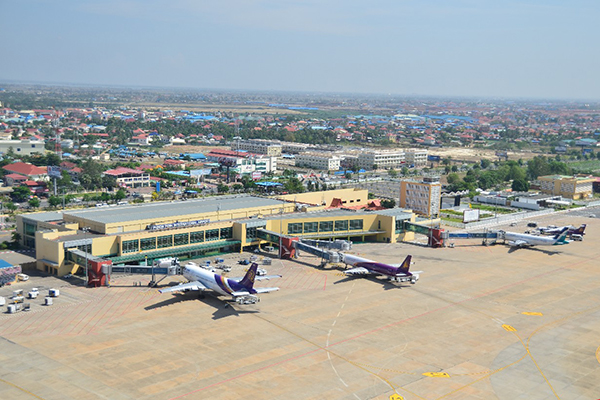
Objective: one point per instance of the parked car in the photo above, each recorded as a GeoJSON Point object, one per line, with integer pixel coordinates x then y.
{"type": "Point", "coordinates": [532, 224]}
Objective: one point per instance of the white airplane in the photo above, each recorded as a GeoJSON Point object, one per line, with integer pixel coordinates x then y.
{"type": "Point", "coordinates": [520, 240]}
{"type": "Point", "coordinates": [241, 290]}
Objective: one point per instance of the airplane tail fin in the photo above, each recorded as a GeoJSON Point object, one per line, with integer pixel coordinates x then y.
{"type": "Point", "coordinates": [405, 266]}
{"type": "Point", "coordinates": [248, 279]}
{"type": "Point", "coordinates": [580, 230]}
{"type": "Point", "coordinates": [560, 238]}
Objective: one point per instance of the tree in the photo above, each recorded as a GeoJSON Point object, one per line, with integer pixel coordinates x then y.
{"type": "Point", "coordinates": [454, 168]}
{"type": "Point", "coordinates": [21, 193]}
{"type": "Point", "coordinates": [393, 173]}
{"type": "Point", "coordinates": [34, 202]}
{"type": "Point", "coordinates": [388, 203]}
{"type": "Point", "coordinates": [10, 206]}
{"type": "Point", "coordinates": [16, 237]}
{"type": "Point", "coordinates": [485, 163]}
{"type": "Point", "coordinates": [238, 187]}
{"type": "Point", "coordinates": [222, 188]}
{"type": "Point", "coordinates": [54, 201]}
{"type": "Point", "coordinates": [520, 185]}
{"type": "Point", "coordinates": [293, 185]}
{"type": "Point", "coordinates": [404, 171]}
{"type": "Point", "coordinates": [120, 195]}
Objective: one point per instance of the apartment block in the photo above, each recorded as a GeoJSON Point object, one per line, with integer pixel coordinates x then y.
{"type": "Point", "coordinates": [321, 161]}
{"type": "Point", "coordinates": [382, 159]}
{"type": "Point", "coordinates": [423, 197]}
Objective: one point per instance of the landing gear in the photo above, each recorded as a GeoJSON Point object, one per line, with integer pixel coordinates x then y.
{"type": "Point", "coordinates": [249, 299]}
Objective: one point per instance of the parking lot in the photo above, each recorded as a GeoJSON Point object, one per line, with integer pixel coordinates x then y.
{"type": "Point", "coordinates": [481, 323]}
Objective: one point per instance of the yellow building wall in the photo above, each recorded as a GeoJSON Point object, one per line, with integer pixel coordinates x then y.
{"type": "Point", "coordinates": [48, 248]}
{"type": "Point", "coordinates": [352, 197]}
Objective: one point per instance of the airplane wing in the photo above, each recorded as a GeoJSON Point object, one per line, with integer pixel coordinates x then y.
{"type": "Point", "coordinates": [195, 285]}
{"type": "Point", "coordinates": [519, 243]}
{"type": "Point", "coordinates": [357, 271]}
{"type": "Point", "coordinates": [266, 277]}
{"type": "Point", "coordinates": [257, 290]}
{"type": "Point", "coordinates": [266, 289]}
{"type": "Point", "coordinates": [258, 277]}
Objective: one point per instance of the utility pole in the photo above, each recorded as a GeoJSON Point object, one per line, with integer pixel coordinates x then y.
{"type": "Point", "coordinates": [85, 231]}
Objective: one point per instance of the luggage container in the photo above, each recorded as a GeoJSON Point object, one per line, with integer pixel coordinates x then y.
{"type": "Point", "coordinates": [48, 301]}
{"type": "Point", "coordinates": [33, 294]}
{"type": "Point", "coordinates": [53, 292]}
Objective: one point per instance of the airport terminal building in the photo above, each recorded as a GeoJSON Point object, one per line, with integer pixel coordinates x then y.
{"type": "Point", "coordinates": [196, 228]}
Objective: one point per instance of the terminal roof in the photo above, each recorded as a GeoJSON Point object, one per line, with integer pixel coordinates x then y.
{"type": "Point", "coordinates": [168, 210]}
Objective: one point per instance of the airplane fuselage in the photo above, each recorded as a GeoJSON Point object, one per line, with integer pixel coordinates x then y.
{"type": "Point", "coordinates": [530, 240]}
{"type": "Point", "coordinates": [375, 267]}
{"type": "Point", "coordinates": [212, 281]}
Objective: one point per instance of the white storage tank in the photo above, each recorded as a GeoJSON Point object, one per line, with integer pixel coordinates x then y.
{"type": "Point", "coordinates": [48, 301]}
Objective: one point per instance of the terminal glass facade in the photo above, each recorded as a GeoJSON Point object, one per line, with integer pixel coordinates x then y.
{"type": "Point", "coordinates": [130, 246]}
{"type": "Point", "coordinates": [356, 224]}
{"type": "Point", "coordinates": [226, 233]}
{"type": "Point", "coordinates": [341, 225]}
{"type": "Point", "coordinates": [295, 228]}
{"type": "Point", "coordinates": [164, 241]}
{"type": "Point", "coordinates": [197, 237]}
{"type": "Point", "coordinates": [212, 235]}
{"type": "Point", "coordinates": [181, 239]}
{"type": "Point", "coordinates": [326, 226]}
{"type": "Point", "coordinates": [148, 243]}
{"type": "Point", "coordinates": [311, 227]}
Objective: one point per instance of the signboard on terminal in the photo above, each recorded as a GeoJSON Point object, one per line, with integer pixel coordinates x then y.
{"type": "Point", "coordinates": [177, 225]}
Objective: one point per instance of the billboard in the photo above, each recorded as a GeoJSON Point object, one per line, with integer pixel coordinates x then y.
{"type": "Point", "coordinates": [200, 172]}
{"type": "Point", "coordinates": [54, 171]}
{"type": "Point", "coordinates": [256, 175]}
{"type": "Point", "coordinates": [470, 215]}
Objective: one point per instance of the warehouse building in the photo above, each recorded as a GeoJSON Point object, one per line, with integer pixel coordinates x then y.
{"type": "Point", "coordinates": [194, 228]}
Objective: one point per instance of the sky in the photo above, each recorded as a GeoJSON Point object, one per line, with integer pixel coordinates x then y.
{"type": "Point", "coordinates": [467, 48]}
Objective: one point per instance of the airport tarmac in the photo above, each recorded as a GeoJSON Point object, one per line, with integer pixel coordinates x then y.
{"type": "Point", "coordinates": [481, 323]}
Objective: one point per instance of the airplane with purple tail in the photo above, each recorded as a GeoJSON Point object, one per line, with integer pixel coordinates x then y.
{"type": "Point", "coordinates": [553, 230]}
{"type": "Point", "coordinates": [363, 266]}
{"type": "Point", "coordinates": [241, 290]}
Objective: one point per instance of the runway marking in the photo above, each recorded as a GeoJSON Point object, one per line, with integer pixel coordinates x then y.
{"type": "Point", "coordinates": [20, 388]}
{"type": "Point", "coordinates": [396, 323]}
{"type": "Point", "coordinates": [532, 313]}
{"type": "Point", "coordinates": [436, 374]}
{"type": "Point", "coordinates": [508, 328]}
{"type": "Point", "coordinates": [598, 354]}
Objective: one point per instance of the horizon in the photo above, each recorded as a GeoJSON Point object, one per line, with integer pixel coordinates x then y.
{"type": "Point", "coordinates": [457, 49]}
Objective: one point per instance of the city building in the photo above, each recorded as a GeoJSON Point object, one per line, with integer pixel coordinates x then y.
{"type": "Point", "coordinates": [416, 157]}
{"type": "Point", "coordinates": [422, 197]}
{"type": "Point", "coordinates": [381, 159]}
{"type": "Point", "coordinates": [243, 162]}
{"type": "Point", "coordinates": [30, 171]}
{"type": "Point", "coordinates": [322, 161]}
{"type": "Point", "coordinates": [196, 228]}
{"type": "Point", "coordinates": [127, 177]}
{"type": "Point", "coordinates": [571, 187]}
{"type": "Point", "coordinates": [23, 147]}
{"type": "Point", "coordinates": [259, 146]}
